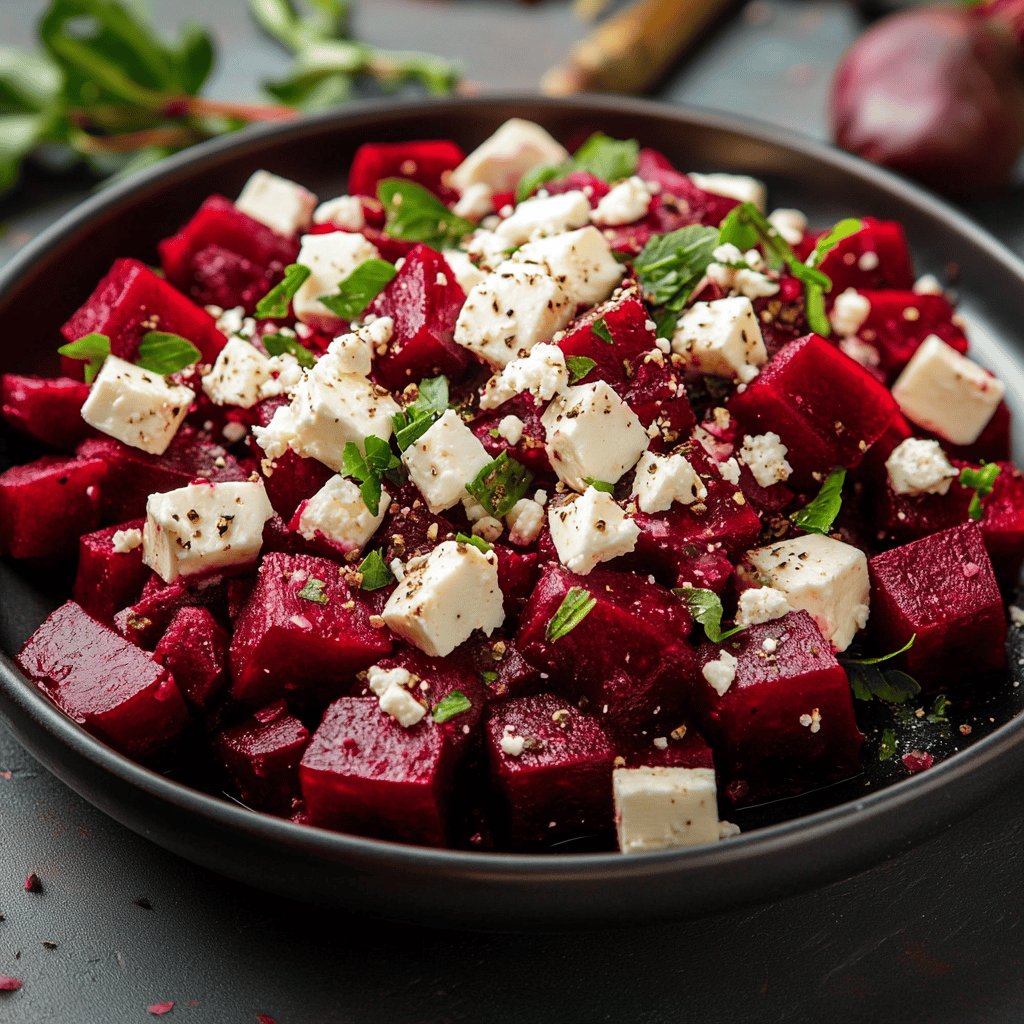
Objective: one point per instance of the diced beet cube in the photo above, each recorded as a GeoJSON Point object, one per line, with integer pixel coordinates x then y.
{"type": "Point", "coordinates": [146, 621]}
{"type": "Point", "coordinates": [262, 758]}
{"type": "Point", "coordinates": [657, 395]}
{"type": "Point", "coordinates": [423, 161]}
{"type": "Point", "coordinates": [684, 747]}
{"type": "Point", "coordinates": [45, 505]}
{"type": "Point", "coordinates": [424, 300]}
{"type": "Point", "coordinates": [225, 258]}
{"type": "Point", "coordinates": [876, 257]}
{"type": "Point", "coordinates": [628, 658]}
{"type": "Point", "coordinates": [195, 650]}
{"type": "Point", "coordinates": [782, 316]}
{"type": "Point", "coordinates": [108, 580]}
{"type": "Point", "coordinates": [786, 722]}
{"type": "Point", "coordinates": [552, 766]}
{"type": "Point", "coordinates": [941, 589]}
{"type": "Point", "coordinates": [103, 682]}
{"type": "Point", "coordinates": [702, 207]}
{"type": "Point", "coordinates": [827, 409]}
{"type": "Point", "coordinates": [46, 408]}
{"type": "Point", "coordinates": [409, 528]}
{"type": "Point", "coordinates": [364, 773]}
{"type": "Point", "coordinates": [529, 450]}
{"type": "Point", "coordinates": [130, 301]}
{"type": "Point", "coordinates": [517, 574]}
{"type": "Point", "coordinates": [285, 642]}
{"type": "Point", "coordinates": [502, 668]}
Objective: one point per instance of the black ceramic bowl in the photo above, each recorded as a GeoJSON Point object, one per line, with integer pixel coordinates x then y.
{"type": "Point", "coordinates": [857, 826]}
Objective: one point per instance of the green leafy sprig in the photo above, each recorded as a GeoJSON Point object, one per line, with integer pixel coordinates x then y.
{"type": "Point", "coordinates": [982, 481]}
{"type": "Point", "coordinates": [706, 609]}
{"type": "Point", "coordinates": [369, 469]}
{"type": "Point", "coordinates": [602, 156]}
{"type": "Point", "coordinates": [821, 513]}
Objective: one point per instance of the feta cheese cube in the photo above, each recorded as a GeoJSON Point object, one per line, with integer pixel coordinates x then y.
{"type": "Point", "coordinates": [338, 514]}
{"type": "Point", "coordinates": [734, 186]}
{"type": "Point", "coordinates": [525, 521]}
{"type": "Point", "coordinates": [625, 203]}
{"type": "Point", "coordinates": [790, 224]}
{"type": "Point", "coordinates": [765, 456]}
{"type": "Point", "coordinates": [444, 597]}
{"type": "Point", "coordinates": [238, 376]}
{"type": "Point", "coordinates": [444, 459]}
{"type": "Point", "coordinates": [947, 393]}
{"type": "Point", "coordinates": [204, 527]}
{"type": "Point", "coordinates": [662, 808]}
{"type": "Point", "coordinates": [487, 249]}
{"type": "Point", "coordinates": [580, 261]}
{"type": "Point", "coordinates": [331, 258]}
{"type": "Point", "coordinates": [511, 310]}
{"type": "Point", "coordinates": [822, 576]}
{"type": "Point", "coordinates": [510, 428]}
{"type": "Point", "coordinates": [402, 706]}
{"type": "Point", "coordinates": [919, 467]}
{"type": "Point", "coordinates": [849, 312]}
{"type": "Point", "coordinates": [467, 274]}
{"type": "Point", "coordinates": [663, 479]}
{"type": "Point", "coordinates": [928, 284]}
{"type": "Point", "coordinates": [136, 406]}
{"type": "Point", "coordinates": [761, 604]}
{"type": "Point", "coordinates": [543, 216]}
{"type": "Point", "coordinates": [500, 161]}
{"type": "Point", "coordinates": [722, 338]}
{"type": "Point", "coordinates": [542, 372]}
{"type": "Point", "coordinates": [343, 211]}
{"type": "Point", "coordinates": [283, 205]}
{"type": "Point", "coordinates": [721, 672]}
{"type": "Point", "coordinates": [591, 432]}
{"type": "Point", "coordinates": [590, 528]}
{"type": "Point", "coordinates": [475, 203]}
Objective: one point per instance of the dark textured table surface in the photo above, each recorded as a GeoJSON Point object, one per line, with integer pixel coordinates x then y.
{"type": "Point", "coordinates": [934, 935]}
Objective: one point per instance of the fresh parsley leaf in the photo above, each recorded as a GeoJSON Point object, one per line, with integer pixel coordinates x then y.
{"type": "Point", "coordinates": [360, 288]}
{"type": "Point", "coordinates": [314, 591]}
{"type": "Point", "coordinates": [599, 485]}
{"type": "Point", "coordinates": [887, 745]}
{"type": "Point", "coordinates": [604, 157]}
{"type": "Point", "coordinates": [454, 703]}
{"type": "Point", "coordinates": [600, 329]}
{"type": "Point", "coordinates": [575, 607]}
{"type": "Point", "coordinates": [160, 352]}
{"type": "Point", "coordinates": [92, 348]}
{"type": "Point", "coordinates": [376, 574]}
{"type": "Point", "coordinates": [416, 418]}
{"type": "Point", "coordinates": [533, 180]}
{"type": "Point", "coordinates": [671, 265]}
{"type": "Point", "coordinates": [416, 215]}
{"type": "Point", "coordinates": [369, 469]}
{"type": "Point", "coordinates": [500, 484]}
{"type": "Point", "coordinates": [274, 305]}
{"type": "Point", "coordinates": [281, 344]}
{"type": "Point", "coordinates": [478, 542]}
{"type": "Point", "coordinates": [846, 227]}
{"type": "Point", "coordinates": [706, 609]}
{"type": "Point", "coordinates": [883, 658]}
{"type": "Point", "coordinates": [489, 677]}
{"type": "Point", "coordinates": [938, 713]}
{"type": "Point", "coordinates": [579, 367]}
{"type": "Point", "coordinates": [869, 682]}
{"type": "Point", "coordinates": [981, 481]}
{"type": "Point", "coordinates": [820, 514]}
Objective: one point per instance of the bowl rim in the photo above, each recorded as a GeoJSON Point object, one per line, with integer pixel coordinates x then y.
{"type": "Point", "coordinates": [891, 800]}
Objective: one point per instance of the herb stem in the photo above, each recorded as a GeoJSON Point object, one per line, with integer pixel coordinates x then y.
{"type": "Point", "coordinates": [129, 142]}
{"type": "Point", "coordinates": [201, 106]}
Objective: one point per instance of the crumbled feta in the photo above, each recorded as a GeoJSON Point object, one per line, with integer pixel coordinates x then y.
{"type": "Point", "coordinates": [487, 249]}
{"type": "Point", "coordinates": [761, 604]}
{"type": "Point", "coordinates": [525, 521]}
{"type": "Point", "coordinates": [379, 680]}
{"type": "Point", "coordinates": [790, 224]}
{"type": "Point", "coordinates": [124, 541]}
{"type": "Point", "coordinates": [625, 203]}
{"type": "Point", "coordinates": [353, 352]}
{"type": "Point", "coordinates": [721, 672]}
{"type": "Point", "coordinates": [591, 432]}
{"type": "Point", "coordinates": [722, 338]}
{"type": "Point", "coordinates": [475, 203]}
{"type": "Point", "coordinates": [466, 273]}
{"type": "Point", "coordinates": [331, 258]}
{"type": "Point", "coordinates": [238, 375]}
{"type": "Point", "coordinates": [443, 460]}
{"type": "Point", "coordinates": [580, 261]}
{"type": "Point", "coordinates": [501, 160]}
{"type": "Point", "coordinates": [283, 205]}
{"type": "Point", "coordinates": [343, 211]}
{"type": "Point", "coordinates": [136, 406]}
{"type": "Point", "coordinates": [402, 706]}
{"type": "Point", "coordinates": [765, 456]}
{"type": "Point", "coordinates": [812, 720]}
{"type": "Point", "coordinates": [338, 514]}
{"type": "Point", "coordinates": [947, 393]}
{"type": "Point", "coordinates": [919, 467]}
{"type": "Point", "coordinates": [868, 261]}
{"type": "Point", "coordinates": [591, 528]}
{"type": "Point", "coordinates": [511, 742]}
{"type": "Point", "coordinates": [233, 321]}
{"type": "Point", "coordinates": [729, 470]}
{"type": "Point", "coordinates": [489, 528]}
{"type": "Point", "coordinates": [542, 216]}
{"type": "Point", "coordinates": [204, 527]}
{"type": "Point", "coordinates": [511, 429]}
{"type": "Point", "coordinates": [734, 186]}
{"type": "Point", "coordinates": [928, 284]}
{"type": "Point", "coordinates": [822, 576]}
{"type": "Point", "coordinates": [445, 597]}
{"type": "Point", "coordinates": [662, 808]}
{"type": "Point", "coordinates": [849, 312]}
{"type": "Point", "coordinates": [860, 351]}
{"type": "Point", "coordinates": [663, 479]}
{"type": "Point", "coordinates": [542, 373]}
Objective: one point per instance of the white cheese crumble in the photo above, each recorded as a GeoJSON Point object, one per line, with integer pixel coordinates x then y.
{"type": "Point", "coordinates": [812, 720]}
{"type": "Point", "coordinates": [722, 338]}
{"type": "Point", "coordinates": [343, 211]}
{"type": "Point", "coordinates": [381, 679]}
{"type": "Point", "coordinates": [625, 203]}
{"type": "Point", "coordinates": [580, 261]}
{"type": "Point", "coordinates": [734, 186]}
{"type": "Point", "coordinates": [662, 479]}
{"type": "Point", "coordinates": [860, 351]}
{"type": "Point", "coordinates": [402, 706]}
{"type": "Point", "coordinates": [238, 375]}
{"type": "Point", "coordinates": [543, 216]}
{"type": "Point", "coordinates": [849, 311]}
{"type": "Point", "coordinates": [919, 467]}
{"type": "Point", "coordinates": [761, 604]}
{"type": "Point", "coordinates": [467, 274]}
{"type": "Point", "coordinates": [501, 160]}
{"type": "Point", "coordinates": [511, 429]}
{"type": "Point", "coordinates": [765, 457]}
{"type": "Point", "coordinates": [721, 672]}
{"type": "Point", "coordinates": [790, 224]}
{"type": "Point", "coordinates": [542, 373]}
{"type": "Point", "coordinates": [338, 513]}
{"type": "Point", "coordinates": [511, 742]}
{"type": "Point", "coordinates": [661, 808]}
{"type": "Point", "coordinates": [475, 203]}
{"type": "Point", "coordinates": [525, 521]}
{"type": "Point", "coordinates": [331, 258]}
{"type": "Point", "coordinates": [729, 470]}
{"type": "Point", "coordinates": [124, 541]}
{"type": "Point", "coordinates": [283, 205]}
{"type": "Point", "coordinates": [928, 284]}
{"type": "Point", "coordinates": [443, 460]}
{"type": "Point", "coordinates": [589, 529]}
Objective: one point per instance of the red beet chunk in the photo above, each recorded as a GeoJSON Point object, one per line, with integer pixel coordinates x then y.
{"type": "Point", "coordinates": [827, 409]}
{"type": "Point", "coordinates": [424, 161]}
{"type": "Point", "coordinates": [502, 668]}
{"type": "Point", "coordinates": [876, 257]}
{"type": "Point", "coordinates": [424, 300]}
{"type": "Point", "coordinates": [658, 396]}
{"type": "Point", "coordinates": [702, 207]}
{"type": "Point", "coordinates": [48, 409]}
{"type": "Point", "coordinates": [786, 723]}
{"type": "Point", "coordinates": [285, 643]}
{"type": "Point", "coordinates": [262, 758]}
{"type": "Point", "coordinates": [782, 316]}
{"type": "Point", "coordinates": [146, 621]}
{"type": "Point", "coordinates": [517, 574]}
{"type": "Point", "coordinates": [365, 773]}
{"type": "Point", "coordinates": [130, 301]}
{"type": "Point", "coordinates": [628, 658]}
{"type": "Point", "coordinates": [108, 580]}
{"type": "Point", "coordinates": [559, 783]}
{"type": "Point", "coordinates": [46, 504]}
{"type": "Point", "coordinates": [682, 748]}
{"type": "Point", "coordinates": [942, 589]}
{"type": "Point", "coordinates": [195, 650]}
{"type": "Point", "coordinates": [409, 528]}
{"type": "Point", "coordinates": [530, 449]}
{"type": "Point", "coordinates": [104, 682]}
{"type": "Point", "coordinates": [225, 258]}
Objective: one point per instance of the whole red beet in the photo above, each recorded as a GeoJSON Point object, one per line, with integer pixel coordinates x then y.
{"type": "Point", "coordinates": [937, 94]}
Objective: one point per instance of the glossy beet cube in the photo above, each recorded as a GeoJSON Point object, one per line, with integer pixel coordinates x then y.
{"type": "Point", "coordinates": [195, 650]}
{"type": "Point", "coordinates": [529, 449]}
{"type": "Point", "coordinates": [684, 747]}
{"type": "Point", "coordinates": [223, 257]}
{"type": "Point", "coordinates": [628, 658]}
{"type": "Point", "coordinates": [517, 574]}
{"type": "Point", "coordinates": [314, 644]}
{"type": "Point", "coordinates": [409, 528]}
{"type": "Point", "coordinates": [48, 409]}
{"type": "Point", "coordinates": [941, 589]}
{"type": "Point", "coordinates": [103, 682]}
{"type": "Point", "coordinates": [144, 622]}
{"type": "Point", "coordinates": [364, 773]}
{"type": "Point", "coordinates": [501, 667]}
{"type": "Point", "coordinates": [424, 300]}
{"type": "Point", "coordinates": [108, 580]}
{"type": "Point", "coordinates": [262, 758]}
{"type": "Point", "coordinates": [45, 505]}
{"type": "Point", "coordinates": [551, 764]}
{"type": "Point", "coordinates": [130, 301]}
{"type": "Point", "coordinates": [423, 161]}
{"type": "Point", "coordinates": [700, 207]}
{"type": "Point", "coordinates": [782, 316]}
{"type": "Point", "coordinates": [876, 257]}
{"type": "Point", "coordinates": [657, 395]}
{"type": "Point", "coordinates": [827, 409]}
{"type": "Point", "coordinates": [785, 724]}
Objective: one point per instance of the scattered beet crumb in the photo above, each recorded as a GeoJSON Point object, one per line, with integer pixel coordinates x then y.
{"type": "Point", "coordinates": [143, 902]}
{"type": "Point", "coordinates": [48, 944]}
{"type": "Point", "coordinates": [265, 1018]}
{"type": "Point", "coordinates": [965, 730]}
{"type": "Point", "coordinates": [159, 1009]}
{"type": "Point", "coordinates": [9, 984]}
{"type": "Point", "coordinates": [32, 883]}
{"type": "Point", "coordinates": [917, 761]}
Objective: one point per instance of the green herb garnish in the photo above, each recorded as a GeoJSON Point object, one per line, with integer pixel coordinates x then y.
{"type": "Point", "coordinates": [881, 659]}
{"type": "Point", "coordinates": [314, 591]}
{"type": "Point", "coordinates": [939, 708]}
{"type": "Point", "coordinates": [887, 745]}
{"type": "Point", "coordinates": [415, 214]}
{"type": "Point", "coordinates": [455, 703]}
{"type": "Point", "coordinates": [375, 572]}
{"type": "Point", "coordinates": [478, 542]}
{"type": "Point", "coordinates": [575, 607]}
{"type": "Point", "coordinates": [92, 348]}
{"type": "Point", "coordinates": [599, 485]}
{"type": "Point", "coordinates": [604, 157]}
{"type": "Point", "coordinates": [278, 344]}
{"type": "Point", "coordinates": [820, 514]}
{"type": "Point", "coordinates": [416, 418]}
{"type": "Point", "coordinates": [670, 267]}
{"type": "Point", "coordinates": [981, 481]}
{"type": "Point", "coordinates": [160, 352]}
{"type": "Point", "coordinates": [600, 329]}
{"type": "Point", "coordinates": [890, 686]}
{"type": "Point", "coordinates": [579, 367]}
{"type": "Point", "coordinates": [369, 469]}
{"type": "Point", "coordinates": [706, 609]}
{"type": "Point", "coordinates": [360, 288]}
{"type": "Point", "coordinates": [500, 484]}
{"type": "Point", "coordinates": [274, 305]}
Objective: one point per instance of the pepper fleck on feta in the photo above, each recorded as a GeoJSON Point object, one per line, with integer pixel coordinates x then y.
{"type": "Point", "coordinates": [590, 528]}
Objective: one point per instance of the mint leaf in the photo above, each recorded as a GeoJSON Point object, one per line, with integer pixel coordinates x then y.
{"type": "Point", "coordinates": [500, 484]}
{"type": "Point", "coordinates": [579, 367]}
{"type": "Point", "coordinates": [600, 329]}
{"type": "Point", "coordinates": [376, 575]}
{"type": "Point", "coordinates": [160, 352]}
{"type": "Point", "coordinates": [706, 609]}
{"type": "Point", "coordinates": [871, 683]}
{"type": "Point", "coordinates": [416, 418]}
{"type": "Point", "coordinates": [369, 469]}
{"type": "Point", "coordinates": [887, 745]}
{"type": "Point", "coordinates": [416, 215]}
{"type": "Point", "coordinates": [92, 348]}
{"type": "Point", "coordinates": [455, 703]}
{"type": "Point", "coordinates": [314, 591]}
{"type": "Point", "coordinates": [671, 265]}
{"type": "Point", "coordinates": [360, 288]}
{"type": "Point", "coordinates": [274, 305]}
{"type": "Point", "coordinates": [604, 157]}
{"type": "Point", "coordinates": [575, 607]}
{"type": "Point", "coordinates": [599, 485]}
{"type": "Point", "coordinates": [938, 713]}
{"type": "Point", "coordinates": [981, 480]}
{"type": "Point", "coordinates": [846, 227]}
{"type": "Point", "coordinates": [478, 542]}
{"type": "Point", "coordinates": [820, 514]}
{"type": "Point", "coordinates": [280, 344]}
